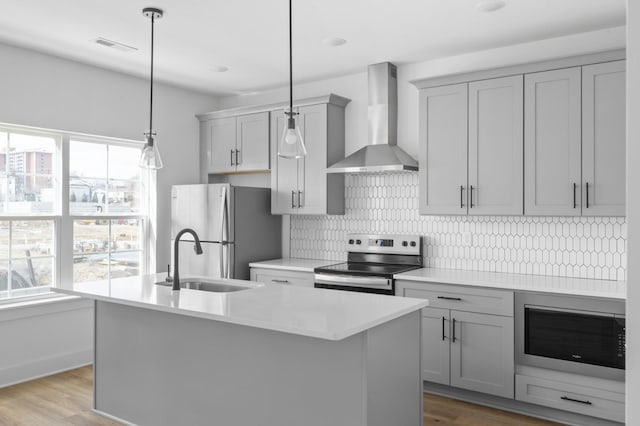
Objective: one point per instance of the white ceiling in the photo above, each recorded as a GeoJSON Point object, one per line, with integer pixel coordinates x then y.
{"type": "Point", "coordinates": [250, 37]}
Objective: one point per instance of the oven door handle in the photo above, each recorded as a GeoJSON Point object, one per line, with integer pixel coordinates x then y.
{"type": "Point", "coordinates": [353, 281]}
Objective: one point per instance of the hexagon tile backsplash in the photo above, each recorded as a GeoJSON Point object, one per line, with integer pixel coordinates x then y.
{"type": "Point", "coordinates": [580, 247]}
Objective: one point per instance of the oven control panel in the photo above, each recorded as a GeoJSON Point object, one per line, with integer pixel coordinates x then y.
{"type": "Point", "coordinates": [389, 244]}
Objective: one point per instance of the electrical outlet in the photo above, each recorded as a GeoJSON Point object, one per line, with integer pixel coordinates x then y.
{"type": "Point", "coordinates": [467, 239]}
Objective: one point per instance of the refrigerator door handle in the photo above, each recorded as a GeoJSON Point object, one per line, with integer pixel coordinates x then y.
{"type": "Point", "coordinates": [224, 231]}
{"type": "Point", "coordinates": [228, 266]}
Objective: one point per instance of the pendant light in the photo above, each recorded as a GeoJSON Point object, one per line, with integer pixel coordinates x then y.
{"type": "Point", "coordinates": [291, 144]}
{"type": "Point", "coordinates": [150, 158]}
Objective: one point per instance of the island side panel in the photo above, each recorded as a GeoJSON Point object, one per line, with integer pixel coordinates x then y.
{"type": "Point", "coordinates": [394, 384]}
{"type": "Point", "coordinates": [157, 368]}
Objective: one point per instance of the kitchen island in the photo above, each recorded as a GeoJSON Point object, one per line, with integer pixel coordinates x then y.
{"type": "Point", "coordinates": [269, 355]}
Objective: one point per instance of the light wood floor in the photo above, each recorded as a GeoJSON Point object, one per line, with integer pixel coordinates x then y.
{"type": "Point", "coordinates": [65, 399]}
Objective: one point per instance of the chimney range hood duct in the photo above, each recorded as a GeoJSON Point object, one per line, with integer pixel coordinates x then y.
{"type": "Point", "coordinates": [382, 154]}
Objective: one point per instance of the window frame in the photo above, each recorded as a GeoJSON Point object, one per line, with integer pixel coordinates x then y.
{"type": "Point", "coordinates": [62, 218]}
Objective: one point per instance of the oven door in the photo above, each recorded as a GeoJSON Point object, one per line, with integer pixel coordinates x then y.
{"type": "Point", "coordinates": [362, 284]}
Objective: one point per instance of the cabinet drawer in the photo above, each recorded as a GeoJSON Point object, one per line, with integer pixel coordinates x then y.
{"type": "Point", "coordinates": [302, 279]}
{"type": "Point", "coordinates": [566, 396]}
{"type": "Point", "coordinates": [469, 299]}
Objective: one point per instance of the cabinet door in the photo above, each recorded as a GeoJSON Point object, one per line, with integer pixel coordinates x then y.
{"type": "Point", "coordinates": [443, 150]}
{"type": "Point", "coordinates": [222, 145]}
{"type": "Point", "coordinates": [284, 172]}
{"type": "Point", "coordinates": [552, 141]}
{"type": "Point", "coordinates": [436, 334]}
{"type": "Point", "coordinates": [312, 169]}
{"type": "Point", "coordinates": [482, 353]}
{"type": "Point", "coordinates": [496, 146]}
{"type": "Point", "coordinates": [603, 139]}
{"type": "Point", "coordinates": [252, 142]}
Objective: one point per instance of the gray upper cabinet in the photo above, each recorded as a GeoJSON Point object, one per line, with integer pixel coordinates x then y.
{"type": "Point", "coordinates": [221, 145]}
{"type": "Point", "coordinates": [303, 186]}
{"type": "Point", "coordinates": [552, 142]}
{"type": "Point", "coordinates": [575, 141]}
{"type": "Point", "coordinates": [443, 150]}
{"type": "Point", "coordinates": [496, 146]}
{"type": "Point", "coordinates": [603, 139]}
{"type": "Point", "coordinates": [252, 142]}
{"type": "Point", "coordinates": [238, 144]}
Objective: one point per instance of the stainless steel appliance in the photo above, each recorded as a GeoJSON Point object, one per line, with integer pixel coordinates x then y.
{"type": "Point", "coordinates": [234, 224]}
{"type": "Point", "coordinates": [572, 334]}
{"type": "Point", "coordinates": [382, 154]}
{"type": "Point", "coordinates": [371, 262]}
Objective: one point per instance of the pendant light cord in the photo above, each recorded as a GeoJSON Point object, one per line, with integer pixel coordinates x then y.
{"type": "Point", "coordinates": [290, 62]}
{"type": "Point", "coordinates": [151, 90]}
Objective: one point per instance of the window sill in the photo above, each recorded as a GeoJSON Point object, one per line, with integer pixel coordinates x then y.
{"type": "Point", "coordinates": [41, 305]}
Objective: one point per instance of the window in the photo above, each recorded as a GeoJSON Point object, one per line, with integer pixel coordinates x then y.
{"type": "Point", "coordinates": [106, 204]}
{"type": "Point", "coordinates": [72, 208]}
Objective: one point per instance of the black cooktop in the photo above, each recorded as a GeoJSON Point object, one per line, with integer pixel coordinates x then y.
{"type": "Point", "coordinates": [361, 268]}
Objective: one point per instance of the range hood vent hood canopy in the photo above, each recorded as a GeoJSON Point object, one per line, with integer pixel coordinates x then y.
{"type": "Point", "coordinates": [382, 154]}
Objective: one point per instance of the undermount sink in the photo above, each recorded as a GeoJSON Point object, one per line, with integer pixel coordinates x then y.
{"type": "Point", "coordinates": [206, 286]}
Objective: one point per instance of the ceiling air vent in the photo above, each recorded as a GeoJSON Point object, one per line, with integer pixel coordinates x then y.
{"type": "Point", "coordinates": [113, 44]}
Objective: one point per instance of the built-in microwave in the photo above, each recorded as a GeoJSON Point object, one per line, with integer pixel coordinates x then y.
{"type": "Point", "coordinates": [571, 334]}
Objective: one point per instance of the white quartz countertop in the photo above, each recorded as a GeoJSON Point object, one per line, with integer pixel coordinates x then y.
{"type": "Point", "coordinates": [292, 264]}
{"type": "Point", "coordinates": [520, 282]}
{"type": "Point", "coordinates": [320, 313]}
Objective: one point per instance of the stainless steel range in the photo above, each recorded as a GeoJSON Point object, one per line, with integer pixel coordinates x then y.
{"type": "Point", "coordinates": [371, 262]}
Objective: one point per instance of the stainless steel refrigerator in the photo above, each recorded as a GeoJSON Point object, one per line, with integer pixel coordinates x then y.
{"type": "Point", "coordinates": [234, 224]}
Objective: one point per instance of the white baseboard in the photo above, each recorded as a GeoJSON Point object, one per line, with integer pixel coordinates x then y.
{"type": "Point", "coordinates": [46, 366]}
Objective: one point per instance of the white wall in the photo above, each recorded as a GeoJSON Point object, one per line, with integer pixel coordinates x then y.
{"type": "Point", "coordinates": [633, 212]}
{"type": "Point", "coordinates": [45, 91]}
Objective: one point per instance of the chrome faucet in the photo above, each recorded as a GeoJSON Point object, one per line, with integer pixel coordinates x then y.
{"type": "Point", "coordinates": [197, 247]}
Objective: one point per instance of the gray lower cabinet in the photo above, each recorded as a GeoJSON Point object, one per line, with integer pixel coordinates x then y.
{"type": "Point", "coordinates": [302, 185]}
{"type": "Point", "coordinates": [436, 352]}
{"type": "Point", "coordinates": [285, 277]}
{"type": "Point", "coordinates": [464, 344]}
{"type": "Point", "coordinates": [482, 353]}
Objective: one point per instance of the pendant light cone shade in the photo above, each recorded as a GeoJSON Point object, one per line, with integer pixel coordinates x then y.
{"type": "Point", "coordinates": [291, 144]}
{"type": "Point", "coordinates": [150, 157]}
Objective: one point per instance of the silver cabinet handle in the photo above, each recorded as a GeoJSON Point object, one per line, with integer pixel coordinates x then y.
{"type": "Point", "coordinates": [231, 157]}
{"type": "Point", "coordinates": [587, 192]}
{"type": "Point", "coordinates": [470, 196]}
{"type": "Point", "coordinates": [566, 398]}
{"type": "Point", "coordinates": [237, 157]}
{"type": "Point", "coordinates": [461, 196]}
{"type": "Point", "coordinates": [299, 198]}
{"type": "Point", "coordinates": [574, 195]}
{"type": "Point", "coordinates": [293, 199]}
{"type": "Point", "coordinates": [280, 281]}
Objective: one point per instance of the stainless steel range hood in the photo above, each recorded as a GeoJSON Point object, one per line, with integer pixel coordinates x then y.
{"type": "Point", "coordinates": [382, 154]}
